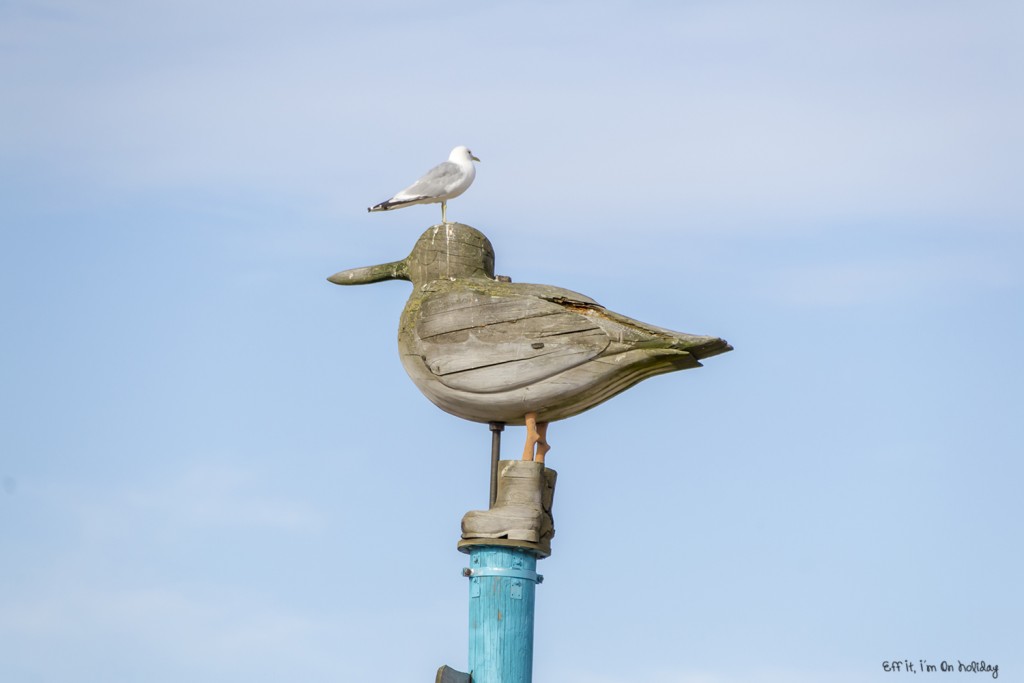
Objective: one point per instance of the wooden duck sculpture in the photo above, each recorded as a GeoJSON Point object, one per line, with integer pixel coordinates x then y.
{"type": "Point", "coordinates": [489, 350]}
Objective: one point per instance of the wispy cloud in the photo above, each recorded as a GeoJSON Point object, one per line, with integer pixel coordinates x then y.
{"type": "Point", "coordinates": [738, 675]}
{"type": "Point", "coordinates": [171, 633]}
{"type": "Point", "coordinates": [887, 280]}
{"type": "Point", "coordinates": [161, 628]}
{"type": "Point", "coordinates": [741, 116]}
{"type": "Point", "coordinates": [221, 496]}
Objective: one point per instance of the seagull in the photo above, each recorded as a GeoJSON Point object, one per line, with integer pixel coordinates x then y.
{"type": "Point", "coordinates": [445, 181]}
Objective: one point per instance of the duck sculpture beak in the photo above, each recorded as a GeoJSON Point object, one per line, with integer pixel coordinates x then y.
{"type": "Point", "coordinates": [396, 270]}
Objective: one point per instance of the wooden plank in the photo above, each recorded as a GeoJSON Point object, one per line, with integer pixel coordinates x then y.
{"type": "Point", "coordinates": [489, 367]}
{"type": "Point", "coordinates": [480, 343]}
{"type": "Point", "coordinates": [466, 310]}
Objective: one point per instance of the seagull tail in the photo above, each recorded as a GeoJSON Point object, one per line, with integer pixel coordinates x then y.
{"type": "Point", "coordinates": [392, 203]}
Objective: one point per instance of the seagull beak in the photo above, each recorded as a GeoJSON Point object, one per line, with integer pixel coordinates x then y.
{"type": "Point", "coordinates": [396, 270]}
{"type": "Point", "coordinates": [473, 158]}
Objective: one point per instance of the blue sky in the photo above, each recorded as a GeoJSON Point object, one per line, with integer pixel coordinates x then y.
{"type": "Point", "coordinates": [214, 468]}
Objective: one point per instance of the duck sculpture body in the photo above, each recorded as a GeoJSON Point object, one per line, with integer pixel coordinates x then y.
{"type": "Point", "coordinates": [489, 350]}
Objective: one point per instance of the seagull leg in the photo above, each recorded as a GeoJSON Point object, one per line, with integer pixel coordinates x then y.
{"type": "Point", "coordinates": [531, 435]}
{"type": "Point", "coordinates": [444, 205]}
{"type": "Point", "coordinates": [542, 442]}
{"type": "Point", "coordinates": [536, 436]}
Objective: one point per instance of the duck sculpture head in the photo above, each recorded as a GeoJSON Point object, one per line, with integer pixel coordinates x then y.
{"type": "Point", "coordinates": [490, 350]}
{"type": "Point", "coordinates": [444, 252]}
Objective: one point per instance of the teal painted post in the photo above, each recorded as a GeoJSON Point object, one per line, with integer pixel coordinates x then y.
{"type": "Point", "coordinates": [502, 584]}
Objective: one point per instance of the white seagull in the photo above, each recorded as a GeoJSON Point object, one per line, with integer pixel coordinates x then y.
{"type": "Point", "coordinates": [445, 181]}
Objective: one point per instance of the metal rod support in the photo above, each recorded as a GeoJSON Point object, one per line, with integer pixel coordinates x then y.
{"type": "Point", "coordinates": [496, 429]}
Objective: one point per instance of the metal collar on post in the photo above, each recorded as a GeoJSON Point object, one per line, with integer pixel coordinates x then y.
{"type": "Point", "coordinates": [527, 574]}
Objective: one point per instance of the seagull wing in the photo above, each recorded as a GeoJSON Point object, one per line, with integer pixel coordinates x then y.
{"type": "Point", "coordinates": [436, 184]}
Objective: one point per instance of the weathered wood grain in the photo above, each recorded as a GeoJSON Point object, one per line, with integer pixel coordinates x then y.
{"type": "Point", "coordinates": [493, 351]}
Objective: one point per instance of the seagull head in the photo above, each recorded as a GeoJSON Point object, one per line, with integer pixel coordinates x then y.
{"type": "Point", "coordinates": [461, 153]}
